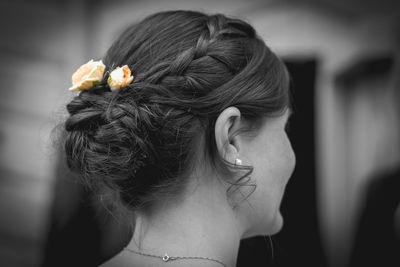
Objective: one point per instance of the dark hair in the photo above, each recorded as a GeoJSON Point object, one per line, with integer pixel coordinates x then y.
{"type": "Point", "coordinates": [138, 143]}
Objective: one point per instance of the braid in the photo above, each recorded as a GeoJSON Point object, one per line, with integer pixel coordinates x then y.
{"type": "Point", "coordinates": [214, 30]}
{"type": "Point", "coordinates": [197, 70]}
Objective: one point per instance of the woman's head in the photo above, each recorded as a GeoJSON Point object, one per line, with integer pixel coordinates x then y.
{"type": "Point", "coordinates": [140, 144]}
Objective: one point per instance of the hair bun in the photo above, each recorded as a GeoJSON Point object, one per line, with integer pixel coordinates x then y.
{"type": "Point", "coordinates": [106, 138]}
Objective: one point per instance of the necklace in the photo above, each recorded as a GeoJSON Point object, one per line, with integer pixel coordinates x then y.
{"type": "Point", "coordinates": [167, 258]}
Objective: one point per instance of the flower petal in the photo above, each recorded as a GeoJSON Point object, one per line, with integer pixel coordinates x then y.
{"type": "Point", "coordinates": [120, 77]}
{"type": "Point", "coordinates": [87, 75]}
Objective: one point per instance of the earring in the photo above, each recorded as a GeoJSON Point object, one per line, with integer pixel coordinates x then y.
{"type": "Point", "coordinates": [238, 161]}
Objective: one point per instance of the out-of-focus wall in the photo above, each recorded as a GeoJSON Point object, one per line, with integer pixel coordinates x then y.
{"type": "Point", "coordinates": [40, 43]}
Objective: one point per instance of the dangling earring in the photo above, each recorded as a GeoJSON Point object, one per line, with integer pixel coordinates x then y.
{"type": "Point", "coordinates": [238, 161]}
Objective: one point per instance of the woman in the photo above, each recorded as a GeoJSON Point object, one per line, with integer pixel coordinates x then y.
{"type": "Point", "coordinates": [182, 132]}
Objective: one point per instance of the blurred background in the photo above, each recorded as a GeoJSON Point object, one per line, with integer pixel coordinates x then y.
{"type": "Point", "coordinates": [342, 205]}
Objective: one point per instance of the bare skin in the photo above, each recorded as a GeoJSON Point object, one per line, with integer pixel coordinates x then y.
{"type": "Point", "coordinates": [203, 223]}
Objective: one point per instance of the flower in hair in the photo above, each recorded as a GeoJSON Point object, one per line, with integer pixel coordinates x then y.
{"type": "Point", "coordinates": [119, 78]}
{"type": "Point", "coordinates": [87, 75]}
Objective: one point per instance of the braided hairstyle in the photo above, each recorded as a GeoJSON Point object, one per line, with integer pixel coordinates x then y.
{"type": "Point", "coordinates": [143, 141]}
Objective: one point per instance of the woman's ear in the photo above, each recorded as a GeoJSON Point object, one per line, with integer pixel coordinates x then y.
{"type": "Point", "coordinates": [228, 122]}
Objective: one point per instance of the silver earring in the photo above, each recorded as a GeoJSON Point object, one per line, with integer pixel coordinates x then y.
{"type": "Point", "coordinates": [238, 161]}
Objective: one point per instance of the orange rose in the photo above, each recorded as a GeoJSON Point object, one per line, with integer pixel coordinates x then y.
{"type": "Point", "coordinates": [88, 75]}
{"type": "Point", "coordinates": [120, 77]}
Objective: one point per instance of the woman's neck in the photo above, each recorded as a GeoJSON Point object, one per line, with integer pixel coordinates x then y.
{"type": "Point", "coordinates": [201, 225]}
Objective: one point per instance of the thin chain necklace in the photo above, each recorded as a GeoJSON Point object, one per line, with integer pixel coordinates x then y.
{"type": "Point", "coordinates": [167, 258]}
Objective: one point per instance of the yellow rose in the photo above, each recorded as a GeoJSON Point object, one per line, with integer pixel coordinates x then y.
{"type": "Point", "coordinates": [120, 77]}
{"type": "Point", "coordinates": [88, 75]}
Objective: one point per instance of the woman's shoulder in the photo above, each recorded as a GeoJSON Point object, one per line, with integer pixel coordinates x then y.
{"type": "Point", "coordinates": [120, 260]}
{"type": "Point", "coordinates": [124, 259]}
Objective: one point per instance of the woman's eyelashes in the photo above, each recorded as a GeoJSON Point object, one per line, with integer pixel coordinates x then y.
{"type": "Point", "coordinates": [288, 125]}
